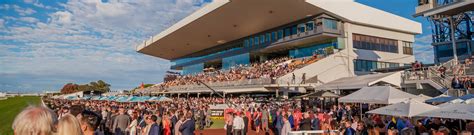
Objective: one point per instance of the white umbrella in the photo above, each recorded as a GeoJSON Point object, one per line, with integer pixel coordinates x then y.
{"type": "Point", "coordinates": [452, 111]}
{"type": "Point", "coordinates": [455, 101]}
{"type": "Point", "coordinates": [469, 101]}
{"type": "Point", "coordinates": [377, 95]}
{"type": "Point", "coordinates": [423, 98]}
{"type": "Point", "coordinates": [406, 109]}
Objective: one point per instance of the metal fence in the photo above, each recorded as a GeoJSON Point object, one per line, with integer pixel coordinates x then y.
{"type": "Point", "coordinates": [316, 132]}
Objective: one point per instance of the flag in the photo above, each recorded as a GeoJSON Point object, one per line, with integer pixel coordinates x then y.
{"type": "Point", "coordinates": [142, 86]}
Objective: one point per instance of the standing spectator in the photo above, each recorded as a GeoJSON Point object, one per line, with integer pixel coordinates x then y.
{"type": "Point", "coordinates": [305, 123]}
{"type": "Point", "coordinates": [228, 123]}
{"type": "Point", "coordinates": [456, 84]}
{"type": "Point", "coordinates": [34, 120]}
{"type": "Point", "coordinates": [279, 122]}
{"type": "Point", "coordinates": [188, 126]}
{"type": "Point", "coordinates": [89, 123]}
{"type": "Point", "coordinates": [152, 126]}
{"type": "Point", "coordinates": [208, 117]}
{"type": "Point", "coordinates": [286, 126]}
{"type": "Point", "coordinates": [361, 130]}
{"type": "Point", "coordinates": [303, 78]}
{"type": "Point", "coordinates": [178, 124]}
{"type": "Point", "coordinates": [132, 128]}
{"type": "Point", "coordinates": [348, 130]}
{"type": "Point", "coordinates": [68, 125]}
{"type": "Point", "coordinates": [315, 123]}
{"type": "Point", "coordinates": [121, 122]}
{"type": "Point", "coordinates": [238, 124]}
{"type": "Point", "coordinates": [442, 71]}
{"type": "Point", "coordinates": [246, 124]}
{"type": "Point", "coordinates": [174, 120]}
{"type": "Point", "coordinates": [265, 117]}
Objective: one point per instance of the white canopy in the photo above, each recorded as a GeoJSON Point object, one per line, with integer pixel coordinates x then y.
{"type": "Point", "coordinates": [452, 111]}
{"type": "Point", "coordinates": [406, 109]}
{"type": "Point", "coordinates": [423, 98]}
{"type": "Point", "coordinates": [377, 95]}
{"type": "Point", "coordinates": [469, 101]}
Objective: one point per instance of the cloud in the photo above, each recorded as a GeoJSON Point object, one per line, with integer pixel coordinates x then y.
{"type": "Point", "coordinates": [23, 11]}
{"type": "Point", "coordinates": [29, 19]}
{"type": "Point", "coordinates": [87, 41]}
{"type": "Point", "coordinates": [425, 39]}
{"type": "Point", "coordinates": [2, 23]}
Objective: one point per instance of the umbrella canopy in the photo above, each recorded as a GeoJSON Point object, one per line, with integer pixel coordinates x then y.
{"type": "Point", "coordinates": [466, 97]}
{"type": "Point", "coordinates": [469, 101]}
{"type": "Point", "coordinates": [163, 98]}
{"type": "Point", "coordinates": [377, 95]}
{"type": "Point", "coordinates": [423, 98]}
{"type": "Point", "coordinates": [455, 101]}
{"type": "Point", "coordinates": [440, 99]}
{"type": "Point", "coordinates": [406, 109]}
{"type": "Point", "coordinates": [452, 111]}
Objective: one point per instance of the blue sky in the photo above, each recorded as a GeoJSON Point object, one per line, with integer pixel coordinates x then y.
{"type": "Point", "coordinates": [45, 44]}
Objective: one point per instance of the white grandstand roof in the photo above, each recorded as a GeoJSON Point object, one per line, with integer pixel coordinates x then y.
{"type": "Point", "coordinates": [229, 20]}
{"type": "Point", "coordinates": [358, 82]}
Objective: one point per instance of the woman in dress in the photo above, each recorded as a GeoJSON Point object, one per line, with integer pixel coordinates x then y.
{"type": "Point", "coordinates": [132, 128]}
{"type": "Point", "coordinates": [166, 125]}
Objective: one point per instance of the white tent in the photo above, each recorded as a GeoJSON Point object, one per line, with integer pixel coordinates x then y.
{"type": "Point", "coordinates": [469, 101]}
{"type": "Point", "coordinates": [377, 95]}
{"type": "Point", "coordinates": [452, 111]}
{"type": "Point", "coordinates": [408, 108]}
{"type": "Point", "coordinates": [455, 101]}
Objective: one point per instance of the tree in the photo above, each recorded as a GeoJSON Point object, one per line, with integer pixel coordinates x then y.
{"type": "Point", "coordinates": [92, 86]}
{"type": "Point", "coordinates": [69, 88]}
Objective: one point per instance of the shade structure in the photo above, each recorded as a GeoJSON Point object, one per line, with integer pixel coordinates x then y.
{"type": "Point", "coordinates": [466, 97]}
{"type": "Point", "coordinates": [455, 101]}
{"type": "Point", "coordinates": [377, 95]}
{"type": "Point", "coordinates": [408, 108]}
{"type": "Point", "coordinates": [452, 111]}
{"type": "Point", "coordinates": [423, 98]}
{"type": "Point", "coordinates": [469, 101]}
{"type": "Point", "coordinates": [440, 99]}
{"type": "Point", "coordinates": [163, 99]}
{"type": "Point", "coordinates": [320, 94]}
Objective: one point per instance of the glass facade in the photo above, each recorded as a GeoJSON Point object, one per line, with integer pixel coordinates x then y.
{"type": "Point", "coordinates": [446, 50]}
{"type": "Point", "coordinates": [374, 43]}
{"type": "Point", "coordinates": [367, 65]}
{"type": "Point", "coordinates": [311, 50]}
{"type": "Point", "coordinates": [231, 61]}
{"type": "Point", "coordinates": [330, 24]}
{"type": "Point", "coordinates": [193, 69]}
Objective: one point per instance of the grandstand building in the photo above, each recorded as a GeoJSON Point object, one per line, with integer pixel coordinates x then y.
{"type": "Point", "coordinates": [324, 40]}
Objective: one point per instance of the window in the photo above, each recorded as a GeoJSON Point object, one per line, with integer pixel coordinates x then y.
{"type": "Point", "coordinates": [262, 39]}
{"type": "Point", "coordinates": [374, 43]}
{"type": "Point", "coordinates": [330, 24]}
{"type": "Point", "coordinates": [246, 43]}
{"type": "Point", "coordinates": [310, 26]}
{"type": "Point", "coordinates": [294, 30]}
{"type": "Point", "coordinates": [301, 28]}
{"type": "Point", "coordinates": [256, 41]}
{"type": "Point", "coordinates": [407, 48]}
{"type": "Point", "coordinates": [274, 36]}
{"type": "Point", "coordinates": [287, 32]}
{"type": "Point", "coordinates": [280, 34]}
{"type": "Point", "coordinates": [268, 37]}
{"type": "Point", "coordinates": [250, 42]}
{"type": "Point", "coordinates": [367, 65]}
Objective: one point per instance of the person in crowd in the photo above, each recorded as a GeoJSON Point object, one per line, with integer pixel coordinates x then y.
{"type": "Point", "coordinates": [166, 125]}
{"type": "Point", "coordinates": [178, 124]}
{"type": "Point", "coordinates": [361, 130]}
{"type": "Point", "coordinates": [348, 130]}
{"type": "Point", "coordinates": [229, 121]}
{"type": "Point", "coordinates": [279, 121]}
{"type": "Point", "coordinates": [152, 126]}
{"type": "Point", "coordinates": [246, 123]}
{"type": "Point", "coordinates": [265, 116]}
{"type": "Point", "coordinates": [121, 122]}
{"type": "Point", "coordinates": [69, 125]}
{"type": "Point", "coordinates": [238, 124]}
{"type": "Point", "coordinates": [132, 128]}
{"type": "Point", "coordinates": [315, 123]}
{"type": "Point", "coordinates": [286, 126]}
{"type": "Point", "coordinates": [90, 121]}
{"type": "Point", "coordinates": [305, 123]}
{"type": "Point", "coordinates": [188, 126]}
{"type": "Point", "coordinates": [34, 120]}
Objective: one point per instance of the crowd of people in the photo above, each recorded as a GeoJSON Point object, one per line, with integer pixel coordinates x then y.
{"type": "Point", "coordinates": [269, 69]}
{"type": "Point", "coordinates": [242, 116]}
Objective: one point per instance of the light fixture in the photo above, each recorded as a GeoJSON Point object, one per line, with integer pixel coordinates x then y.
{"type": "Point", "coordinates": [221, 41]}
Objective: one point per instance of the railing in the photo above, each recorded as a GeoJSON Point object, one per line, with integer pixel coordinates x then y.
{"type": "Point", "coordinates": [310, 132]}
{"type": "Point", "coordinates": [238, 83]}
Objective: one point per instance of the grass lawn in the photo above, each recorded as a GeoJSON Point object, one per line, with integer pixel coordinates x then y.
{"type": "Point", "coordinates": [10, 107]}
{"type": "Point", "coordinates": [218, 124]}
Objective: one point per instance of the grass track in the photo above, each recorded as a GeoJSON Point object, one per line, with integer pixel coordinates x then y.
{"type": "Point", "coordinates": [10, 108]}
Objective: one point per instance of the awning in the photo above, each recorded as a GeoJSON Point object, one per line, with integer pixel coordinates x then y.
{"type": "Point", "coordinates": [358, 82]}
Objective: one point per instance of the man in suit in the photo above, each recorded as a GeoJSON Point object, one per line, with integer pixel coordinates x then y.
{"type": "Point", "coordinates": [121, 122]}
{"type": "Point", "coordinates": [154, 128]}
{"type": "Point", "coordinates": [188, 126]}
{"type": "Point", "coordinates": [174, 120]}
